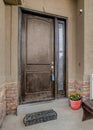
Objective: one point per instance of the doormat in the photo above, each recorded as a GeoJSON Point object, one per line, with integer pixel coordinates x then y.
{"type": "Point", "coordinates": [39, 117]}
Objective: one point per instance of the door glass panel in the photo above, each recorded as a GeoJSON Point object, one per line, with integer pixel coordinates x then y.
{"type": "Point", "coordinates": [60, 37]}
{"type": "Point", "coordinates": [61, 57]}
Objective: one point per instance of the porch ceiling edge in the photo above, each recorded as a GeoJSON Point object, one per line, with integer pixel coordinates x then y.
{"type": "Point", "coordinates": [13, 2]}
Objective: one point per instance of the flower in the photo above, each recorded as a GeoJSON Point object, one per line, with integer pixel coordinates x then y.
{"type": "Point", "coordinates": [75, 96]}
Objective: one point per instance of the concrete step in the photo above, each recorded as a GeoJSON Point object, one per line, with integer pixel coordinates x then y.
{"type": "Point", "coordinates": [34, 107]}
{"type": "Point", "coordinates": [39, 106]}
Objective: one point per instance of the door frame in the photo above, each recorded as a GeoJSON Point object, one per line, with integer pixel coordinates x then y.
{"type": "Point", "coordinates": [55, 18]}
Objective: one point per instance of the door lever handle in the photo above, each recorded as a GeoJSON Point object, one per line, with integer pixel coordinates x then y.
{"type": "Point", "coordinates": [52, 67]}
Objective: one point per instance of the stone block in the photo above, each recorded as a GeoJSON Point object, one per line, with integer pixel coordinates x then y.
{"type": "Point", "coordinates": [39, 117]}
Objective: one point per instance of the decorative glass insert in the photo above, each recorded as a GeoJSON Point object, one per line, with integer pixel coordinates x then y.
{"type": "Point", "coordinates": [61, 56]}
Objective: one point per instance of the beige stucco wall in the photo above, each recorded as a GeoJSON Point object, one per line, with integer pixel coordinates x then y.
{"type": "Point", "coordinates": [65, 8]}
{"type": "Point", "coordinates": [88, 39]}
{"type": "Point", "coordinates": [2, 43]}
{"type": "Point", "coordinates": [80, 41]}
{"type": "Point", "coordinates": [80, 31]}
{"type": "Point", "coordinates": [11, 43]}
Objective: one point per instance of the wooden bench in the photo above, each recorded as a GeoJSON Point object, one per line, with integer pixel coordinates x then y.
{"type": "Point", "coordinates": [87, 106]}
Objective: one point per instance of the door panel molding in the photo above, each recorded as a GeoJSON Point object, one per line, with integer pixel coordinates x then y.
{"type": "Point", "coordinates": [34, 53]}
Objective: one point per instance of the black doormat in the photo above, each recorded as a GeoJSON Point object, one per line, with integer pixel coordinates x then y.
{"type": "Point", "coordinates": [39, 117]}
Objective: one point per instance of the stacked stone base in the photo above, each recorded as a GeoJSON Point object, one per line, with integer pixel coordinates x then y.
{"type": "Point", "coordinates": [79, 86]}
{"type": "Point", "coordinates": [8, 100]}
{"type": "Point", "coordinates": [9, 96]}
{"type": "Point", "coordinates": [2, 104]}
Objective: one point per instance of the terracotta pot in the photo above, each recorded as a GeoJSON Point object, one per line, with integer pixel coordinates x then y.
{"type": "Point", "coordinates": [75, 104]}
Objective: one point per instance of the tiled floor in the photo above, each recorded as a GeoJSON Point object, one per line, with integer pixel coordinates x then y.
{"type": "Point", "coordinates": [68, 119]}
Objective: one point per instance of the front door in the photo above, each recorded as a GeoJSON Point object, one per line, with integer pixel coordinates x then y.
{"type": "Point", "coordinates": [37, 58]}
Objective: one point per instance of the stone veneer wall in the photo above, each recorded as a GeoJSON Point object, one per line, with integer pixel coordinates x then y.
{"type": "Point", "coordinates": [79, 86]}
{"type": "Point", "coordinates": [2, 104]}
{"type": "Point", "coordinates": [8, 100]}
{"type": "Point", "coordinates": [11, 97]}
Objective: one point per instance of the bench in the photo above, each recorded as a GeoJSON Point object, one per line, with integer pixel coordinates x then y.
{"type": "Point", "coordinates": [87, 106]}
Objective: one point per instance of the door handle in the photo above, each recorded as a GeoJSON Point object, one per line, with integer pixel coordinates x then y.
{"type": "Point", "coordinates": [52, 73]}
{"type": "Point", "coordinates": [52, 67]}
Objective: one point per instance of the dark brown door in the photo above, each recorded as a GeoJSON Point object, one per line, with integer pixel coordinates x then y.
{"type": "Point", "coordinates": [37, 58]}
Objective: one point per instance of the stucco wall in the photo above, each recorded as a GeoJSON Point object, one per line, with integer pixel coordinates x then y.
{"type": "Point", "coordinates": [80, 41]}
{"type": "Point", "coordinates": [11, 43]}
{"type": "Point", "coordinates": [88, 39]}
{"type": "Point", "coordinates": [2, 63]}
{"type": "Point", "coordinates": [79, 36]}
{"type": "Point", "coordinates": [2, 42]}
{"type": "Point", "coordinates": [65, 8]}
{"type": "Point", "coordinates": [11, 58]}
{"type": "Point", "coordinates": [84, 62]}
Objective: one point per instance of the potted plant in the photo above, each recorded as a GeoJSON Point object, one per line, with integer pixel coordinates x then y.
{"type": "Point", "coordinates": [75, 100]}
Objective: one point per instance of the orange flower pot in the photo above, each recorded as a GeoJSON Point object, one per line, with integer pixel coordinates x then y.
{"type": "Point", "coordinates": [75, 104]}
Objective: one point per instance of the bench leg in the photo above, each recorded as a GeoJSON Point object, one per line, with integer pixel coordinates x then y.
{"type": "Point", "coordinates": [84, 115]}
